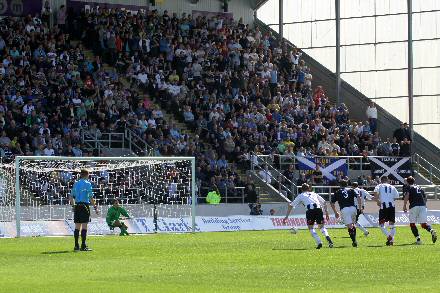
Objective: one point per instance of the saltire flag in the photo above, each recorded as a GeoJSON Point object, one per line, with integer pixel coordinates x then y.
{"type": "Point", "coordinates": [331, 168]}
{"type": "Point", "coordinates": [396, 168]}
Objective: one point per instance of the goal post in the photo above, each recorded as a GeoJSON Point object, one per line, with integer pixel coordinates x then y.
{"type": "Point", "coordinates": [43, 184]}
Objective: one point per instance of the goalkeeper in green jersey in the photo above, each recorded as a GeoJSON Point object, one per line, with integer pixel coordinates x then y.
{"type": "Point", "coordinates": [113, 214]}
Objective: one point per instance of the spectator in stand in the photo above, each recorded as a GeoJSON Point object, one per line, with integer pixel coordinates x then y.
{"type": "Point", "coordinates": [384, 149]}
{"type": "Point", "coordinates": [318, 178]}
{"type": "Point", "coordinates": [395, 148]}
{"type": "Point", "coordinates": [372, 116]}
{"type": "Point", "coordinates": [302, 179]}
{"type": "Point", "coordinates": [61, 18]}
{"type": "Point", "coordinates": [46, 13]}
{"type": "Point", "coordinates": [266, 175]}
{"type": "Point", "coordinates": [405, 148]}
{"type": "Point", "coordinates": [402, 132]}
{"type": "Point", "coordinates": [241, 91]}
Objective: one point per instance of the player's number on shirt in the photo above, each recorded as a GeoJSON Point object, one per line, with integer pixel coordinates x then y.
{"type": "Point", "coordinates": [345, 193]}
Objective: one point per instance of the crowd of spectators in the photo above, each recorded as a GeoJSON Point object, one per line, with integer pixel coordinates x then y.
{"type": "Point", "coordinates": [47, 89]}
{"type": "Point", "coordinates": [240, 90]}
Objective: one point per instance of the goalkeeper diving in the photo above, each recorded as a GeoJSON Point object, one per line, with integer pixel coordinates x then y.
{"type": "Point", "coordinates": [113, 218]}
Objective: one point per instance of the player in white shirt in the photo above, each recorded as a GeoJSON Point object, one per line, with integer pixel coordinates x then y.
{"type": "Point", "coordinates": [314, 204]}
{"type": "Point", "coordinates": [384, 195]}
{"type": "Point", "coordinates": [363, 195]}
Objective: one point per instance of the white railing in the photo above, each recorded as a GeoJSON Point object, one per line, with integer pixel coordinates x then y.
{"type": "Point", "coordinates": [104, 140]}
{"type": "Point", "coordinates": [423, 164]}
{"type": "Point", "coordinates": [127, 139]}
{"type": "Point", "coordinates": [284, 187]}
{"type": "Point", "coordinates": [133, 143]}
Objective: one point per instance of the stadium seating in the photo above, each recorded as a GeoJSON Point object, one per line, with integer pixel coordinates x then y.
{"type": "Point", "coordinates": [239, 91]}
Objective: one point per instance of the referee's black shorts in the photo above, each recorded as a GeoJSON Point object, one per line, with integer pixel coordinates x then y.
{"type": "Point", "coordinates": [81, 213]}
{"type": "Point", "coordinates": [315, 216]}
{"type": "Point", "coordinates": [387, 215]}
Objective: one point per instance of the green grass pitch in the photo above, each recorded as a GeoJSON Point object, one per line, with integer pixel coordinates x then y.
{"type": "Point", "coordinates": [254, 261]}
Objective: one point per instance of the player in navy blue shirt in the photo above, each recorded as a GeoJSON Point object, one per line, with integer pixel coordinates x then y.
{"type": "Point", "coordinates": [417, 209]}
{"type": "Point", "coordinates": [81, 197]}
{"type": "Point", "coordinates": [346, 199]}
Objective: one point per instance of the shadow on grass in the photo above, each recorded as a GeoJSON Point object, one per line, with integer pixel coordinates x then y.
{"type": "Point", "coordinates": [291, 249]}
{"type": "Point", "coordinates": [56, 252]}
{"type": "Point", "coordinates": [301, 249]}
{"type": "Point", "coordinates": [401, 244]}
{"type": "Point", "coordinates": [412, 244]}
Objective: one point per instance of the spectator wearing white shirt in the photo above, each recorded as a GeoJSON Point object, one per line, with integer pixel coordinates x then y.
{"type": "Point", "coordinates": [152, 123]}
{"type": "Point", "coordinates": [48, 150]}
{"type": "Point", "coordinates": [372, 116]}
{"type": "Point", "coordinates": [174, 89]}
{"type": "Point", "coordinates": [265, 175]}
{"type": "Point", "coordinates": [142, 77]}
{"type": "Point", "coordinates": [76, 101]}
{"type": "Point", "coordinates": [28, 108]}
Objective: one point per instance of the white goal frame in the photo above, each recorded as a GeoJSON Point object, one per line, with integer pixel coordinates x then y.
{"type": "Point", "coordinates": [64, 158]}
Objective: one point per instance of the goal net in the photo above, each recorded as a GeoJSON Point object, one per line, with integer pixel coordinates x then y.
{"type": "Point", "coordinates": [37, 189]}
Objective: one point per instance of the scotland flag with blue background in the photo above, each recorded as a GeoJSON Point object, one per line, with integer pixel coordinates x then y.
{"type": "Point", "coordinates": [331, 168]}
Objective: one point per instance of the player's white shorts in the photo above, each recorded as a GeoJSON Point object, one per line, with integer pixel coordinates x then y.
{"type": "Point", "coordinates": [349, 215]}
{"type": "Point", "coordinates": [418, 214]}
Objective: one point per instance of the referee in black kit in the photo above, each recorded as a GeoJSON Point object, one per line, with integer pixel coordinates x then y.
{"type": "Point", "coordinates": [81, 197]}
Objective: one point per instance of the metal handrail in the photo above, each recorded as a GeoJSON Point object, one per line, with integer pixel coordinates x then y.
{"type": "Point", "coordinates": [282, 186]}
{"type": "Point", "coordinates": [130, 134]}
{"type": "Point", "coordinates": [92, 142]}
{"type": "Point", "coordinates": [276, 171]}
{"type": "Point", "coordinates": [423, 159]}
{"type": "Point", "coordinates": [430, 169]}
{"type": "Point", "coordinates": [88, 138]}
